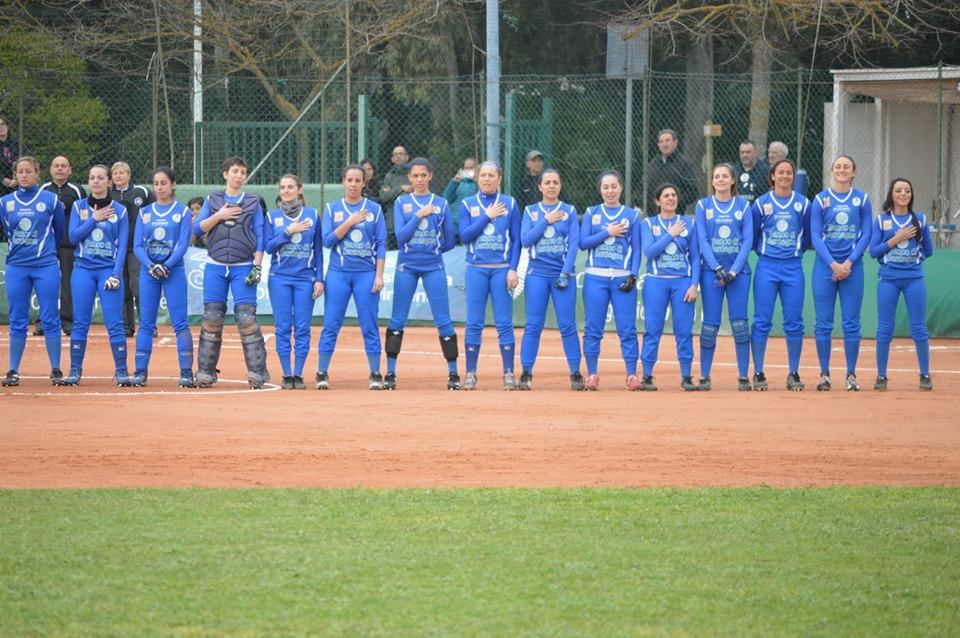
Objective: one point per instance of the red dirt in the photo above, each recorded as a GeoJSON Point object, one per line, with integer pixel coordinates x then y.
{"type": "Point", "coordinates": [423, 436]}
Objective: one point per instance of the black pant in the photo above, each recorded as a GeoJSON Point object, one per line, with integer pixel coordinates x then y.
{"type": "Point", "coordinates": [131, 291]}
{"type": "Point", "coordinates": [65, 255]}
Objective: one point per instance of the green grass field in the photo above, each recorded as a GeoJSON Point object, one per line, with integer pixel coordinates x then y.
{"type": "Point", "coordinates": [601, 562]}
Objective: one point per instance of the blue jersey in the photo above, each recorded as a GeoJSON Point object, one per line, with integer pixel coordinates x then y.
{"type": "Point", "coordinates": [34, 222]}
{"type": "Point", "coordinates": [725, 233]}
{"type": "Point", "coordinates": [552, 248]}
{"type": "Point", "coordinates": [99, 244]}
{"type": "Point", "coordinates": [162, 234]}
{"type": "Point", "coordinates": [490, 241]}
{"type": "Point", "coordinates": [422, 241]}
{"type": "Point", "coordinates": [781, 226]}
{"type": "Point", "coordinates": [297, 255]}
{"type": "Point", "coordinates": [669, 256]}
{"type": "Point", "coordinates": [840, 225]}
{"type": "Point", "coordinates": [363, 244]}
{"type": "Point", "coordinates": [604, 250]}
{"type": "Point", "coordinates": [904, 260]}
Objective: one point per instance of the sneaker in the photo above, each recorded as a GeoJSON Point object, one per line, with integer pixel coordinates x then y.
{"type": "Point", "coordinates": [705, 385]}
{"type": "Point", "coordinates": [526, 381]}
{"type": "Point", "coordinates": [648, 384]}
{"type": "Point", "coordinates": [577, 382]}
{"type": "Point", "coordinates": [298, 383]}
{"type": "Point", "coordinates": [186, 379]}
{"type": "Point", "coordinates": [760, 382]}
{"type": "Point", "coordinates": [852, 384]}
{"type": "Point", "coordinates": [38, 331]}
{"type": "Point", "coordinates": [453, 382]}
{"type": "Point", "coordinates": [67, 328]}
{"type": "Point", "coordinates": [470, 382]}
{"type": "Point", "coordinates": [633, 383]}
{"type": "Point", "coordinates": [12, 379]}
{"type": "Point", "coordinates": [824, 385]}
{"type": "Point", "coordinates": [687, 384]}
{"type": "Point", "coordinates": [205, 379]}
{"type": "Point", "coordinates": [322, 381]}
{"type": "Point", "coordinates": [926, 383]}
{"type": "Point", "coordinates": [390, 381]}
{"type": "Point", "coordinates": [72, 378]}
{"type": "Point", "coordinates": [880, 385]}
{"type": "Point", "coordinates": [286, 383]}
{"type": "Point", "coordinates": [743, 384]}
{"type": "Point", "coordinates": [592, 384]}
{"type": "Point", "coordinates": [122, 378]}
{"type": "Point", "coordinates": [375, 381]}
{"type": "Point", "coordinates": [139, 379]}
{"type": "Point", "coordinates": [56, 375]}
{"type": "Point", "coordinates": [509, 382]}
{"type": "Point", "coordinates": [794, 383]}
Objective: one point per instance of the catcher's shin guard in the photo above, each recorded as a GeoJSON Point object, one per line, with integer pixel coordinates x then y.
{"type": "Point", "coordinates": [211, 338]}
{"type": "Point", "coordinates": [449, 347]}
{"type": "Point", "coordinates": [254, 350]}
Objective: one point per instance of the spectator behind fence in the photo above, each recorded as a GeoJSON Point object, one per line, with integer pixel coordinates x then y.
{"type": "Point", "coordinates": [395, 183]}
{"type": "Point", "coordinates": [68, 192]}
{"type": "Point", "coordinates": [8, 156]}
{"type": "Point", "coordinates": [778, 151]}
{"type": "Point", "coordinates": [196, 205]}
{"type": "Point", "coordinates": [529, 191]}
{"type": "Point", "coordinates": [462, 186]}
{"type": "Point", "coordinates": [133, 198]}
{"type": "Point", "coordinates": [672, 168]}
{"type": "Point", "coordinates": [371, 185]}
{"type": "Point", "coordinates": [752, 172]}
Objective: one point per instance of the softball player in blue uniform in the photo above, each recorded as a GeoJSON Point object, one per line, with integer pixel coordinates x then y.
{"type": "Point", "coordinates": [840, 219]}
{"type": "Point", "coordinates": [295, 243]}
{"type": "Point", "coordinates": [550, 232]}
{"type": "Point", "coordinates": [673, 271]}
{"type": "Point", "coordinates": [233, 223]}
{"type": "Point", "coordinates": [781, 221]}
{"type": "Point", "coordinates": [355, 230]}
{"type": "Point", "coordinates": [423, 225]}
{"type": "Point", "coordinates": [162, 235]}
{"type": "Point", "coordinates": [34, 225]}
{"type": "Point", "coordinates": [610, 233]}
{"type": "Point", "coordinates": [725, 235]}
{"type": "Point", "coordinates": [490, 228]}
{"type": "Point", "coordinates": [99, 227]}
{"type": "Point", "coordinates": [901, 242]}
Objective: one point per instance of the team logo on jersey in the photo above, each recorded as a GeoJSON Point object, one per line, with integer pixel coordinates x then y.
{"type": "Point", "coordinates": [656, 231]}
{"type": "Point", "coordinates": [744, 177]}
{"type": "Point", "coordinates": [356, 235]}
{"type": "Point", "coordinates": [41, 207]}
{"type": "Point", "coordinates": [84, 214]}
{"type": "Point", "coordinates": [887, 224]}
{"type": "Point", "coordinates": [10, 206]}
{"type": "Point", "coordinates": [338, 216]}
{"type": "Point", "coordinates": [708, 213]}
{"type": "Point", "coordinates": [138, 201]}
{"type": "Point", "coordinates": [684, 233]}
{"type": "Point", "coordinates": [842, 218]}
{"type": "Point", "coordinates": [595, 220]}
{"type": "Point", "coordinates": [768, 209]}
{"type": "Point", "coordinates": [176, 218]}
{"type": "Point", "coordinates": [534, 215]}
{"type": "Point", "coordinates": [550, 232]}
{"type": "Point", "coordinates": [296, 238]}
{"type": "Point", "coordinates": [489, 229]}
{"type": "Point", "coordinates": [113, 219]}
{"type": "Point", "coordinates": [798, 207]}
{"type": "Point", "coordinates": [738, 215]}
{"type": "Point", "coordinates": [278, 222]}
{"type": "Point", "coordinates": [96, 235]}
{"type": "Point", "coordinates": [856, 201]}
{"type": "Point", "coordinates": [25, 224]}
{"type": "Point", "coordinates": [782, 225]}
{"type": "Point", "coordinates": [423, 224]}
{"type": "Point", "coordinates": [474, 211]}
{"type": "Point", "coordinates": [146, 218]}
{"type": "Point", "coordinates": [671, 249]}
{"type": "Point", "coordinates": [159, 234]}
{"type": "Point", "coordinates": [724, 231]}
{"type": "Point", "coordinates": [408, 207]}
{"type": "Point", "coordinates": [904, 244]}
{"type": "Point", "coordinates": [826, 202]}
{"type": "Point", "coordinates": [609, 240]}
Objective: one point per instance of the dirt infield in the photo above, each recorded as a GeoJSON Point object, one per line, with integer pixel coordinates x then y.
{"type": "Point", "coordinates": [96, 435]}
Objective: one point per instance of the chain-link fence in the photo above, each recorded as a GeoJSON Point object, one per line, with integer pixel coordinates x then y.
{"type": "Point", "coordinates": [579, 123]}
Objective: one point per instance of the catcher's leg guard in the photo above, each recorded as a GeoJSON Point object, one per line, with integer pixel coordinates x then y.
{"type": "Point", "coordinates": [254, 351]}
{"type": "Point", "coordinates": [211, 338]}
{"type": "Point", "coordinates": [449, 347]}
{"type": "Point", "coordinates": [392, 342]}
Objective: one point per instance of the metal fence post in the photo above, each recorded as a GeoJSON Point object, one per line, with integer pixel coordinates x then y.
{"type": "Point", "coordinates": [628, 144]}
{"type": "Point", "coordinates": [362, 116]}
{"type": "Point", "coordinates": [646, 131]}
{"type": "Point", "coordinates": [509, 122]}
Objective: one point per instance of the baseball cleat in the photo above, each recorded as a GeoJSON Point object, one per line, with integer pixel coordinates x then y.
{"type": "Point", "coordinates": [390, 381]}
{"type": "Point", "coordinates": [186, 379]}
{"type": "Point", "coordinates": [576, 382]}
{"type": "Point", "coordinates": [926, 383]}
{"type": "Point", "coordinates": [648, 385]}
{"type": "Point", "coordinates": [122, 378]}
{"type": "Point", "coordinates": [298, 383]}
{"type": "Point", "coordinates": [592, 384]}
{"type": "Point", "coordinates": [453, 382]}
{"type": "Point", "coordinates": [322, 381]}
{"type": "Point", "coordinates": [880, 385]}
{"type": "Point", "coordinates": [760, 382]}
{"type": "Point", "coordinates": [633, 383]}
{"type": "Point", "coordinates": [794, 383]}
{"type": "Point", "coordinates": [56, 375]}
{"type": "Point", "coordinates": [138, 380]}
{"type": "Point", "coordinates": [852, 384]}
{"type": "Point", "coordinates": [824, 385]}
{"type": "Point", "coordinates": [470, 382]}
{"type": "Point", "coordinates": [257, 380]}
{"type": "Point", "coordinates": [509, 381]}
{"type": "Point", "coordinates": [72, 378]}
{"type": "Point", "coordinates": [206, 379]}
{"type": "Point", "coordinates": [743, 384]}
{"type": "Point", "coordinates": [375, 381]}
{"type": "Point", "coordinates": [12, 379]}
{"type": "Point", "coordinates": [687, 384]}
{"type": "Point", "coordinates": [286, 383]}
{"type": "Point", "coordinates": [526, 381]}
{"type": "Point", "coordinates": [705, 384]}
